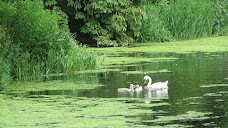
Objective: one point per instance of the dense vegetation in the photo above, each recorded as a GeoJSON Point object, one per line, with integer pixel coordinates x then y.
{"type": "Point", "coordinates": [105, 22]}
{"type": "Point", "coordinates": [114, 22]}
{"type": "Point", "coordinates": [35, 41]}
{"type": "Point", "coordinates": [169, 20]}
{"type": "Point", "coordinates": [35, 38]}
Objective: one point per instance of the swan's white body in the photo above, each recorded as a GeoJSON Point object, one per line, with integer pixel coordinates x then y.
{"type": "Point", "coordinates": [131, 89]}
{"type": "Point", "coordinates": [138, 88]}
{"type": "Point", "coordinates": [155, 86]}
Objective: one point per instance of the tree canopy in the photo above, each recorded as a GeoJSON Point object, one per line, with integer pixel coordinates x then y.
{"type": "Point", "coordinates": [109, 22]}
{"type": "Point", "coordinates": [118, 23]}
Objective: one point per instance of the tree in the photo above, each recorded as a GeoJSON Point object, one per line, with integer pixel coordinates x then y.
{"type": "Point", "coordinates": [109, 22]}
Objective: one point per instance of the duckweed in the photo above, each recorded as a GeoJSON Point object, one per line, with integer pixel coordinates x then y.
{"type": "Point", "coordinates": [214, 85]}
{"type": "Point", "coordinates": [211, 44]}
{"type": "Point", "coordinates": [188, 116]}
{"type": "Point", "coordinates": [62, 111]}
{"type": "Point", "coordinates": [132, 60]}
{"type": "Point", "coordinates": [21, 87]}
{"type": "Point", "coordinates": [147, 72]}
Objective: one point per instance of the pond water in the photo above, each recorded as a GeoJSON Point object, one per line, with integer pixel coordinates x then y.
{"type": "Point", "coordinates": [197, 95]}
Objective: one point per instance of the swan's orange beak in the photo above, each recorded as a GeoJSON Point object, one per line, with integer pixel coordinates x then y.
{"type": "Point", "coordinates": [144, 82]}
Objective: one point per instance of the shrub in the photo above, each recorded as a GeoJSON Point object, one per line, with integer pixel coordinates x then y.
{"type": "Point", "coordinates": [109, 22]}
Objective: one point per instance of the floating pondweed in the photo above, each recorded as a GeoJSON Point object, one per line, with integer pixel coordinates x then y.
{"type": "Point", "coordinates": [212, 94]}
{"type": "Point", "coordinates": [214, 85]}
{"type": "Point", "coordinates": [132, 60]}
{"type": "Point", "coordinates": [90, 99]}
{"type": "Point", "coordinates": [188, 116]}
{"type": "Point", "coordinates": [146, 72]}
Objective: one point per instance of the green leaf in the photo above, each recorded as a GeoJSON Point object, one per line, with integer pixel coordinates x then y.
{"type": "Point", "coordinates": [80, 16]}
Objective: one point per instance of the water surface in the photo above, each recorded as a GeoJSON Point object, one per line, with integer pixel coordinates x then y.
{"type": "Point", "coordinates": [197, 95]}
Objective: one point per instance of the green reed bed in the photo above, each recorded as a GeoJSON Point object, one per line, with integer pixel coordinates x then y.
{"type": "Point", "coordinates": [179, 20]}
{"type": "Point", "coordinates": [39, 43]}
{"type": "Point", "coordinates": [77, 58]}
{"type": "Point", "coordinates": [4, 73]}
{"type": "Point", "coordinates": [189, 19]}
{"type": "Point", "coordinates": [153, 27]}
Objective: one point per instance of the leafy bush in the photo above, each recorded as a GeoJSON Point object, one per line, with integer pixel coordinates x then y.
{"type": "Point", "coordinates": [109, 22]}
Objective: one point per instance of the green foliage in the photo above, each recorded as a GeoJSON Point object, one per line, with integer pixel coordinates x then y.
{"type": "Point", "coordinates": [4, 73]}
{"type": "Point", "coordinates": [189, 19]}
{"type": "Point", "coordinates": [169, 20]}
{"type": "Point", "coordinates": [110, 22]}
{"type": "Point", "coordinates": [221, 17]}
{"type": "Point", "coordinates": [75, 59]}
{"type": "Point", "coordinates": [35, 41]}
{"type": "Point", "coordinates": [4, 65]}
{"type": "Point", "coordinates": [153, 28]}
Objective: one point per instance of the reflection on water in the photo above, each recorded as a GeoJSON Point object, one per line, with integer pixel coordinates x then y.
{"type": "Point", "coordinates": [148, 97]}
{"type": "Point", "coordinates": [191, 102]}
{"type": "Point", "coordinates": [186, 76]}
{"type": "Point", "coordinates": [161, 94]}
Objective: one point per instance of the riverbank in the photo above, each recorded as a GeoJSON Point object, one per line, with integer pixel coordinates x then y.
{"type": "Point", "coordinates": [120, 55]}
{"type": "Point", "coordinates": [209, 44]}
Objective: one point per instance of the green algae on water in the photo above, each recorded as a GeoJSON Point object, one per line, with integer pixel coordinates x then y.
{"type": "Point", "coordinates": [188, 116]}
{"type": "Point", "coordinates": [50, 85]}
{"type": "Point", "coordinates": [132, 60]}
{"type": "Point", "coordinates": [214, 85]}
{"type": "Point", "coordinates": [59, 111]}
{"type": "Point", "coordinates": [62, 111]}
{"type": "Point", "coordinates": [147, 72]}
{"type": "Point", "coordinates": [209, 44]}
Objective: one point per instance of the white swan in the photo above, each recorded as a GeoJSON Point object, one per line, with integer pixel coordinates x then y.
{"type": "Point", "coordinates": [155, 86]}
{"type": "Point", "coordinates": [138, 88]}
{"type": "Point", "coordinates": [131, 89]}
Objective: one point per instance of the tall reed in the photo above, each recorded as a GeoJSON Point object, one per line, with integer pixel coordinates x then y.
{"type": "Point", "coordinates": [39, 43]}
{"type": "Point", "coordinates": [153, 28]}
{"type": "Point", "coordinates": [4, 73]}
{"type": "Point", "coordinates": [189, 19]}
{"type": "Point", "coordinates": [76, 58]}
{"type": "Point", "coordinates": [221, 17]}
{"type": "Point", "coordinates": [177, 20]}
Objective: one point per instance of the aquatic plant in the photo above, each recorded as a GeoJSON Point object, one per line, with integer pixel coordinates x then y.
{"type": "Point", "coordinates": [25, 87]}
{"type": "Point", "coordinates": [153, 27]}
{"type": "Point", "coordinates": [4, 64]}
{"type": "Point", "coordinates": [146, 72]}
{"type": "Point", "coordinates": [209, 45]}
{"type": "Point", "coordinates": [221, 17]}
{"type": "Point", "coordinates": [40, 43]}
{"type": "Point", "coordinates": [188, 116]}
{"type": "Point", "coordinates": [4, 73]}
{"type": "Point", "coordinates": [177, 20]}
{"type": "Point", "coordinates": [214, 85]}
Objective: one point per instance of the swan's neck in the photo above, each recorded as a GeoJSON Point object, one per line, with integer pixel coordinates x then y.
{"type": "Point", "coordinates": [150, 82]}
